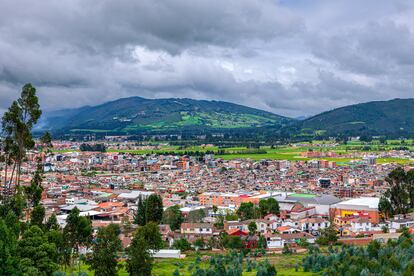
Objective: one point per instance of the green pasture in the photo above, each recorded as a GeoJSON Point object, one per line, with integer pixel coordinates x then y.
{"type": "Point", "coordinates": [285, 265]}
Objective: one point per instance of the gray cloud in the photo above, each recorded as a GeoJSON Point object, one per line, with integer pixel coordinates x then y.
{"type": "Point", "coordinates": [288, 57]}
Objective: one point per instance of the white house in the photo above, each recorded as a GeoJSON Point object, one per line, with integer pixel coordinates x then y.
{"type": "Point", "coordinates": [197, 228]}
{"type": "Point", "coordinates": [313, 224]}
{"type": "Point", "coordinates": [400, 222]}
{"type": "Point", "coordinates": [360, 225]}
{"type": "Point", "coordinates": [275, 242]}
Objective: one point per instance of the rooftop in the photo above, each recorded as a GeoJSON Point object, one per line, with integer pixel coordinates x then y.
{"type": "Point", "coordinates": [370, 202]}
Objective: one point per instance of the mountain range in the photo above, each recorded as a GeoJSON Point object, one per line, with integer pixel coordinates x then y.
{"type": "Point", "coordinates": [136, 115]}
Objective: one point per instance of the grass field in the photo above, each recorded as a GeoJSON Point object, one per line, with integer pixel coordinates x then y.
{"type": "Point", "coordinates": [285, 265]}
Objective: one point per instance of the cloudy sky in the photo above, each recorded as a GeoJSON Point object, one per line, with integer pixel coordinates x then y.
{"type": "Point", "coordinates": [291, 57]}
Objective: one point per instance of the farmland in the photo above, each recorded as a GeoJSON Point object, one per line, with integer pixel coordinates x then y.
{"type": "Point", "coordinates": [288, 152]}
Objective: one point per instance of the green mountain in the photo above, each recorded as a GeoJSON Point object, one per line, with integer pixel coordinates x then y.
{"type": "Point", "coordinates": [137, 115]}
{"type": "Point", "coordinates": [375, 118]}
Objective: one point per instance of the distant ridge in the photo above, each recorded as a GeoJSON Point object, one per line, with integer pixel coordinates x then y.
{"type": "Point", "coordinates": [377, 117]}
{"type": "Point", "coordinates": [136, 115]}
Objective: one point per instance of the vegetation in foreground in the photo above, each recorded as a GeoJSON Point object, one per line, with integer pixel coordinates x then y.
{"type": "Point", "coordinates": [396, 257]}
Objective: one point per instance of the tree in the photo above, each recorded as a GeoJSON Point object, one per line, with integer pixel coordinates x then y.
{"type": "Point", "coordinates": [34, 191]}
{"type": "Point", "coordinates": [199, 243]}
{"type": "Point", "coordinates": [147, 240]}
{"type": "Point", "coordinates": [173, 217]}
{"type": "Point", "coordinates": [140, 260]}
{"type": "Point", "coordinates": [397, 193]}
{"type": "Point", "coordinates": [233, 242]}
{"type": "Point", "coordinates": [286, 250]}
{"type": "Point", "coordinates": [195, 216]}
{"type": "Point", "coordinates": [16, 203]}
{"type": "Point", "coordinates": [153, 209]}
{"type": "Point", "coordinates": [385, 207]}
{"type": "Point", "coordinates": [269, 206]}
{"type": "Point", "coordinates": [17, 123]}
{"type": "Point", "coordinates": [252, 228]}
{"type": "Point", "coordinates": [266, 269]}
{"type": "Point", "coordinates": [37, 254]}
{"type": "Point", "coordinates": [246, 211]}
{"type": "Point", "coordinates": [149, 209]}
{"type": "Point", "coordinates": [37, 216]}
{"type": "Point", "coordinates": [182, 244]}
{"type": "Point", "coordinates": [399, 198]}
{"type": "Point", "coordinates": [105, 251]}
{"type": "Point", "coordinates": [46, 140]}
{"type": "Point", "coordinates": [62, 248]}
{"type": "Point", "coordinates": [262, 244]}
{"type": "Point", "coordinates": [52, 223]}
{"type": "Point", "coordinates": [328, 236]}
{"type": "Point", "coordinates": [139, 217]}
{"type": "Point", "coordinates": [9, 262]}
{"type": "Point", "coordinates": [77, 232]}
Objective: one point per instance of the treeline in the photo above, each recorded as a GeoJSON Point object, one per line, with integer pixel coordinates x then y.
{"type": "Point", "coordinates": [92, 147]}
{"type": "Point", "coordinates": [399, 198]}
{"type": "Point", "coordinates": [228, 265]}
{"type": "Point", "coordinates": [396, 257]}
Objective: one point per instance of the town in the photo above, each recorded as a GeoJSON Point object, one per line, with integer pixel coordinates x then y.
{"type": "Point", "coordinates": [206, 138]}
{"type": "Point", "coordinates": [107, 187]}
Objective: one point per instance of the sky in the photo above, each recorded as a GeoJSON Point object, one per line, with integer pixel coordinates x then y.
{"type": "Point", "coordinates": [290, 57]}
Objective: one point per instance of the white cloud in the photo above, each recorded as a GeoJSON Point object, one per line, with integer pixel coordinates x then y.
{"type": "Point", "coordinates": [289, 57]}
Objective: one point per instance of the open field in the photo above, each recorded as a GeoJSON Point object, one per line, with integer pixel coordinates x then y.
{"type": "Point", "coordinates": [285, 265]}
{"type": "Point", "coordinates": [291, 153]}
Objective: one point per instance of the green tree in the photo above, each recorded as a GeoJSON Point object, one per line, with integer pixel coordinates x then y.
{"type": "Point", "coordinates": [182, 244]}
{"type": "Point", "coordinates": [15, 203]}
{"type": "Point", "coordinates": [105, 251]}
{"type": "Point", "coordinates": [149, 209]}
{"type": "Point", "coordinates": [199, 243]}
{"type": "Point", "coordinates": [273, 206]}
{"type": "Point", "coordinates": [173, 217]}
{"type": "Point", "coordinates": [46, 140]}
{"type": "Point", "coordinates": [262, 244]}
{"type": "Point", "coordinates": [153, 209]}
{"type": "Point", "coordinates": [147, 240]}
{"type": "Point", "coordinates": [139, 262]}
{"type": "Point", "coordinates": [77, 232]}
{"type": "Point", "coordinates": [397, 194]}
{"type": "Point", "coordinates": [34, 191]}
{"type": "Point", "coordinates": [328, 236]}
{"type": "Point", "coordinates": [36, 253]}
{"type": "Point", "coordinates": [52, 223]}
{"type": "Point", "coordinates": [233, 242]}
{"type": "Point", "coordinates": [17, 123]}
{"type": "Point", "coordinates": [252, 228]}
{"type": "Point", "coordinates": [266, 269]}
{"type": "Point", "coordinates": [9, 262]}
{"type": "Point", "coordinates": [269, 206]}
{"type": "Point", "coordinates": [139, 217]}
{"type": "Point", "coordinates": [196, 216]}
{"type": "Point", "coordinates": [246, 211]}
{"type": "Point", "coordinates": [37, 216]}
{"type": "Point", "coordinates": [385, 207]}
{"type": "Point", "coordinates": [63, 250]}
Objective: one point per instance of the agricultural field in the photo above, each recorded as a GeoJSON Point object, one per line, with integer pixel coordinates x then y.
{"type": "Point", "coordinates": [289, 152]}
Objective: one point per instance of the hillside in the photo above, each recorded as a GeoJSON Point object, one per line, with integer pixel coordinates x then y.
{"type": "Point", "coordinates": [139, 115]}
{"type": "Point", "coordinates": [379, 117]}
